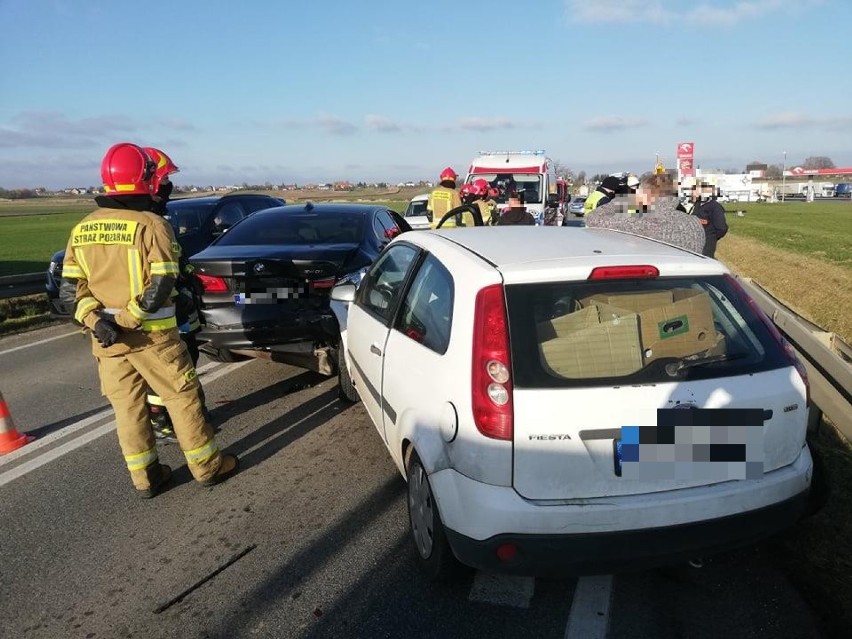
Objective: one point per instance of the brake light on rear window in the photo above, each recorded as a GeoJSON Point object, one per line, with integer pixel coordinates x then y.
{"type": "Point", "coordinates": [788, 349]}
{"type": "Point", "coordinates": [213, 283]}
{"type": "Point", "coordinates": [624, 272]}
{"type": "Point", "coordinates": [491, 379]}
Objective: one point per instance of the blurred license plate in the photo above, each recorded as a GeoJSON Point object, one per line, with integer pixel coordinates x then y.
{"type": "Point", "coordinates": [273, 295]}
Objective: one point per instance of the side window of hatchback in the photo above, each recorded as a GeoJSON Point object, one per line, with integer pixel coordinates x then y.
{"type": "Point", "coordinates": [382, 285]}
{"type": "Point", "coordinates": [427, 310]}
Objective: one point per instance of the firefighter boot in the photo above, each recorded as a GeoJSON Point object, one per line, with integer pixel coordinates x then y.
{"type": "Point", "coordinates": [229, 467]}
{"type": "Point", "coordinates": [158, 476]}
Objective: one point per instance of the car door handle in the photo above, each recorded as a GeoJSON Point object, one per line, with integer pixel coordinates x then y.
{"type": "Point", "coordinates": [375, 350]}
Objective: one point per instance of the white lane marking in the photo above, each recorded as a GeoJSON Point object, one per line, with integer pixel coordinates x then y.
{"type": "Point", "coordinates": [55, 453]}
{"type": "Point", "coordinates": [56, 435]}
{"type": "Point", "coordinates": [77, 442]}
{"type": "Point", "coordinates": [39, 342]}
{"type": "Point", "coordinates": [502, 590]}
{"type": "Point", "coordinates": [589, 618]}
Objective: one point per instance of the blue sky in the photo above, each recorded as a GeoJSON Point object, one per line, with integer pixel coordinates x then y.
{"type": "Point", "coordinates": [287, 91]}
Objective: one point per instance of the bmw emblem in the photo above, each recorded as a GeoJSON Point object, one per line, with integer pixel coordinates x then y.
{"type": "Point", "coordinates": [259, 268]}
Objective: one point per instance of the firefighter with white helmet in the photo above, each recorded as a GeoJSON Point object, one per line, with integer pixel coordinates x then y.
{"type": "Point", "coordinates": [443, 198]}
{"type": "Point", "coordinates": [120, 268]}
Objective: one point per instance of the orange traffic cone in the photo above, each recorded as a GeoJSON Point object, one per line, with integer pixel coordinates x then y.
{"type": "Point", "coordinates": [10, 438]}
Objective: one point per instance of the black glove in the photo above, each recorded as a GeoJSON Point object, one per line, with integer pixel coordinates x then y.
{"type": "Point", "coordinates": [106, 332]}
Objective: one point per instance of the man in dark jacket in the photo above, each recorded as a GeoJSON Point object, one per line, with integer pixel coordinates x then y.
{"type": "Point", "coordinates": [711, 215]}
{"type": "Point", "coordinates": [516, 214]}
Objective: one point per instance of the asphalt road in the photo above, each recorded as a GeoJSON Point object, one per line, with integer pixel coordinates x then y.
{"type": "Point", "coordinates": [309, 540]}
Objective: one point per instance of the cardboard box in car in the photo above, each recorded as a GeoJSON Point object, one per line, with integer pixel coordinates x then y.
{"type": "Point", "coordinates": [582, 344]}
{"type": "Point", "coordinates": [673, 323]}
{"type": "Point", "coordinates": [635, 302]}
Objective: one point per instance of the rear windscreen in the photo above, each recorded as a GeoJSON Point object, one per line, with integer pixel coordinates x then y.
{"type": "Point", "coordinates": [416, 208]}
{"type": "Point", "coordinates": [188, 218]}
{"type": "Point", "coordinates": [291, 228]}
{"type": "Point", "coordinates": [634, 331]}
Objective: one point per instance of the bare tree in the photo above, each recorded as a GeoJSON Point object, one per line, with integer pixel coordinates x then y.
{"type": "Point", "coordinates": [562, 170]}
{"type": "Point", "coordinates": [774, 171]}
{"type": "Point", "coordinates": [581, 178]}
{"type": "Point", "coordinates": [818, 162]}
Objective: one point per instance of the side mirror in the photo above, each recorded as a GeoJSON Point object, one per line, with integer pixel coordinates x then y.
{"type": "Point", "coordinates": [344, 293]}
{"type": "Point", "coordinates": [552, 200]}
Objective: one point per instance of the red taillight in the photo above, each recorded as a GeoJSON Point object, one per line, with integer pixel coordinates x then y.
{"type": "Point", "coordinates": [327, 282]}
{"type": "Point", "coordinates": [507, 552]}
{"type": "Point", "coordinates": [392, 233]}
{"type": "Point", "coordinates": [491, 388]}
{"type": "Point", "coordinates": [624, 272]}
{"type": "Point", "coordinates": [788, 349]}
{"type": "Point", "coordinates": [212, 283]}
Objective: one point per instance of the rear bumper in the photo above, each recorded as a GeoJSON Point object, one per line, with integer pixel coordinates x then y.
{"type": "Point", "coordinates": [220, 332]}
{"type": "Point", "coordinates": [617, 533]}
{"type": "Point", "coordinates": [597, 553]}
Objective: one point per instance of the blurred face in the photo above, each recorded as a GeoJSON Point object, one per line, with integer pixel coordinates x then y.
{"type": "Point", "coordinates": [645, 195]}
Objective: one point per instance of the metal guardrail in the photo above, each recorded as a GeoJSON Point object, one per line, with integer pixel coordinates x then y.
{"type": "Point", "coordinates": [20, 285]}
{"type": "Point", "coordinates": [827, 358]}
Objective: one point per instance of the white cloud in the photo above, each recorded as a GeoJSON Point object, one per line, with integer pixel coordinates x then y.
{"type": "Point", "coordinates": [676, 12]}
{"type": "Point", "coordinates": [178, 124]}
{"type": "Point", "coordinates": [486, 124]}
{"type": "Point", "coordinates": [608, 123]}
{"type": "Point", "coordinates": [382, 124]}
{"type": "Point", "coordinates": [797, 120]}
{"type": "Point", "coordinates": [53, 129]}
{"type": "Point", "coordinates": [786, 120]}
{"type": "Point", "coordinates": [333, 125]}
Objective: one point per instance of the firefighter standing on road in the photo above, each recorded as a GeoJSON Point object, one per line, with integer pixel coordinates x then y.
{"type": "Point", "coordinates": [443, 198]}
{"type": "Point", "coordinates": [474, 194]}
{"type": "Point", "coordinates": [119, 272]}
{"type": "Point", "coordinates": [184, 297]}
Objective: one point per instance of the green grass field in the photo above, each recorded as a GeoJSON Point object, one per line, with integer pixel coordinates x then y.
{"type": "Point", "coordinates": [818, 229]}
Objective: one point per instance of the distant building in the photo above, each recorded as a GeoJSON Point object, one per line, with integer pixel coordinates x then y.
{"type": "Point", "coordinates": [757, 169]}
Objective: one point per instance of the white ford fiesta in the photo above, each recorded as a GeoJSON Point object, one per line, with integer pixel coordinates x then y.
{"type": "Point", "coordinates": [574, 400]}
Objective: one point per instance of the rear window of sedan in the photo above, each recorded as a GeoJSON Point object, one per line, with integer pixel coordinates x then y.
{"type": "Point", "coordinates": [186, 218]}
{"type": "Point", "coordinates": [296, 228]}
{"type": "Point", "coordinates": [635, 331]}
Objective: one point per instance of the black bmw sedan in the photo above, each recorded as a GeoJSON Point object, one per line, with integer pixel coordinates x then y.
{"type": "Point", "coordinates": [267, 279]}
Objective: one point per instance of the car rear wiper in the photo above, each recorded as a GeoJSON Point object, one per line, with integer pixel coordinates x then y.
{"type": "Point", "coordinates": [690, 362]}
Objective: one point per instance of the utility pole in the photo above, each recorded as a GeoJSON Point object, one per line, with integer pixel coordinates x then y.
{"type": "Point", "coordinates": [784, 178]}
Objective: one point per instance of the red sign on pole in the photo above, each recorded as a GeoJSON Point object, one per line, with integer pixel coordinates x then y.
{"type": "Point", "coordinates": [685, 150]}
{"type": "Point", "coordinates": [685, 159]}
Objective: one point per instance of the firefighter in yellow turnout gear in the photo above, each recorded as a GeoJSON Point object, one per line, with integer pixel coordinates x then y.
{"type": "Point", "coordinates": [119, 271]}
{"type": "Point", "coordinates": [444, 198]}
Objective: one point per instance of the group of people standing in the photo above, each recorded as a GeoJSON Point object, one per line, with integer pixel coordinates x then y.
{"type": "Point", "coordinates": [478, 193]}
{"type": "Point", "coordinates": [649, 207]}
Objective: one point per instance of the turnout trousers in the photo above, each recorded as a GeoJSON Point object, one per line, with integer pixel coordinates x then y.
{"type": "Point", "coordinates": [158, 359]}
